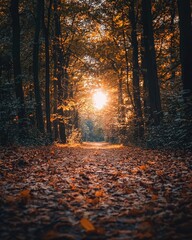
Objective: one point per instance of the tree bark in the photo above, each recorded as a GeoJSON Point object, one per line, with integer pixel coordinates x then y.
{"type": "Point", "coordinates": [172, 43]}
{"type": "Point", "coordinates": [55, 94]}
{"type": "Point", "coordinates": [14, 8]}
{"type": "Point", "coordinates": [136, 87]}
{"type": "Point", "coordinates": [121, 110]}
{"type": "Point", "coordinates": [145, 83]}
{"type": "Point", "coordinates": [185, 27]}
{"type": "Point", "coordinates": [39, 111]}
{"type": "Point", "coordinates": [151, 67]}
{"type": "Point", "coordinates": [46, 30]}
{"type": "Point", "coordinates": [59, 73]}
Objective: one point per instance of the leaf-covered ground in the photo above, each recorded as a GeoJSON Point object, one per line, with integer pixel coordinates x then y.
{"type": "Point", "coordinates": [95, 191]}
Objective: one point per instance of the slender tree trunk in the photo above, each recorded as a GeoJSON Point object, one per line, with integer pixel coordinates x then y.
{"type": "Point", "coordinates": [55, 94]}
{"type": "Point", "coordinates": [151, 67]}
{"type": "Point", "coordinates": [172, 43]}
{"type": "Point", "coordinates": [145, 83]}
{"type": "Point", "coordinates": [136, 87]}
{"type": "Point", "coordinates": [39, 112]}
{"type": "Point", "coordinates": [55, 83]}
{"type": "Point", "coordinates": [185, 27]}
{"type": "Point", "coordinates": [121, 109]}
{"type": "Point", "coordinates": [76, 119]}
{"type": "Point", "coordinates": [14, 8]}
{"type": "Point", "coordinates": [59, 73]}
{"type": "Point", "coordinates": [46, 30]}
{"type": "Point", "coordinates": [127, 67]}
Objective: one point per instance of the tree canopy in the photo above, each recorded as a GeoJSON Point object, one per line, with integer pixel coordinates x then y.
{"type": "Point", "coordinates": [56, 54]}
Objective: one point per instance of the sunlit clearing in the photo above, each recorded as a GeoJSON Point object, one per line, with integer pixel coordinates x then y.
{"type": "Point", "coordinates": [99, 99]}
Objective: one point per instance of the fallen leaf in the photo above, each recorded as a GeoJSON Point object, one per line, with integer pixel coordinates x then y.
{"type": "Point", "coordinates": [25, 193]}
{"type": "Point", "coordinates": [143, 167]}
{"type": "Point", "coordinates": [154, 197]}
{"type": "Point", "coordinates": [87, 225]}
{"type": "Point", "coordinates": [99, 193]}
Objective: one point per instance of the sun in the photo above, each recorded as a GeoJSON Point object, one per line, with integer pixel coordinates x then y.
{"type": "Point", "coordinates": [99, 99]}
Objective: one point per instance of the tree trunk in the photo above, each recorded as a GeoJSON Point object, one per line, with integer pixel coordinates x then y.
{"type": "Point", "coordinates": [136, 87]}
{"type": "Point", "coordinates": [39, 112]}
{"type": "Point", "coordinates": [47, 68]}
{"type": "Point", "coordinates": [186, 51]}
{"type": "Point", "coordinates": [14, 8]}
{"type": "Point", "coordinates": [59, 73]}
{"type": "Point", "coordinates": [121, 109]}
{"type": "Point", "coordinates": [145, 84]}
{"type": "Point", "coordinates": [172, 43]}
{"type": "Point", "coordinates": [151, 67]}
{"type": "Point", "coordinates": [55, 94]}
{"type": "Point", "coordinates": [76, 119]}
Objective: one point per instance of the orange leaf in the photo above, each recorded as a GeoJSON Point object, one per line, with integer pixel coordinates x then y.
{"type": "Point", "coordinates": [92, 200]}
{"type": "Point", "coordinates": [159, 172]}
{"type": "Point", "coordinates": [25, 193]}
{"type": "Point", "coordinates": [143, 167]}
{"type": "Point", "coordinates": [99, 193]}
{"type": "Point", "coordinates": [87, 225]}
{"type": "Point", "coordinates": [154, 197]}
{"type": "Point", "coordinates": [72, 186]}
{"type": "Point", "coordinates": [134, 171]}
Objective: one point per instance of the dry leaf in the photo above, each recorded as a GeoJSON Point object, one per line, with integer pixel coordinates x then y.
{"type": "Point", "coordinates": [154, 197]}
{"type": "Point", "coordinates": [87, 225]}
{"type": "Point", "coordinates": [143, 167]}
{"type": "Point", "coordinates": [25, 193]}
{"type": "Point", "coordinates": [99, 193]}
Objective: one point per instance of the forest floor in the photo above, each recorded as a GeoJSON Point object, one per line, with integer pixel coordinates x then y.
{"type": "Point", "coordinates": [95, 191]}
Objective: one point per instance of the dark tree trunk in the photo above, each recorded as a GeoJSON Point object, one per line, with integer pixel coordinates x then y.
{"type": "Point", "coordinates": [127, 65]}
{"type": "Point", "coordinates": [76, 119]}
{"type": "Point", "coordinates": [59, 73]}
{"type": "Point", "coordinates": [145, 83]}
{"type": "Point", "coordinates": [39, 112]}
{"type": "Point", "coordinates": [121, 109]}
{"type": "Point", "coordinates": [136, 87]}
{"type": "Point", "coordinates": [151, 67]}
{"type": "Point", "coordinates": [55, 94]}
{"type": "Point", "coordinates": [14, 8]}
{"type": "Point", "coordinates": [172, 43]}
{"type": "Point", "coordinates": [185, 27]}
{"type": "Point", "coordinates": [46, 30]}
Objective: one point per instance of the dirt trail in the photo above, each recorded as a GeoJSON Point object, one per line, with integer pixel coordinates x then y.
{"type": "Point", "coordinates": [62, 192]}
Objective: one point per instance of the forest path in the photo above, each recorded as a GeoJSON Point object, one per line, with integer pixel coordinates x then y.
{"type": "Point", "coordinates": [62, 192]}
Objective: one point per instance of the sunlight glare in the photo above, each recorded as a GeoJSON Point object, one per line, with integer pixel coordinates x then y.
{"type": "Point", "coordinates": [99, 99]}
